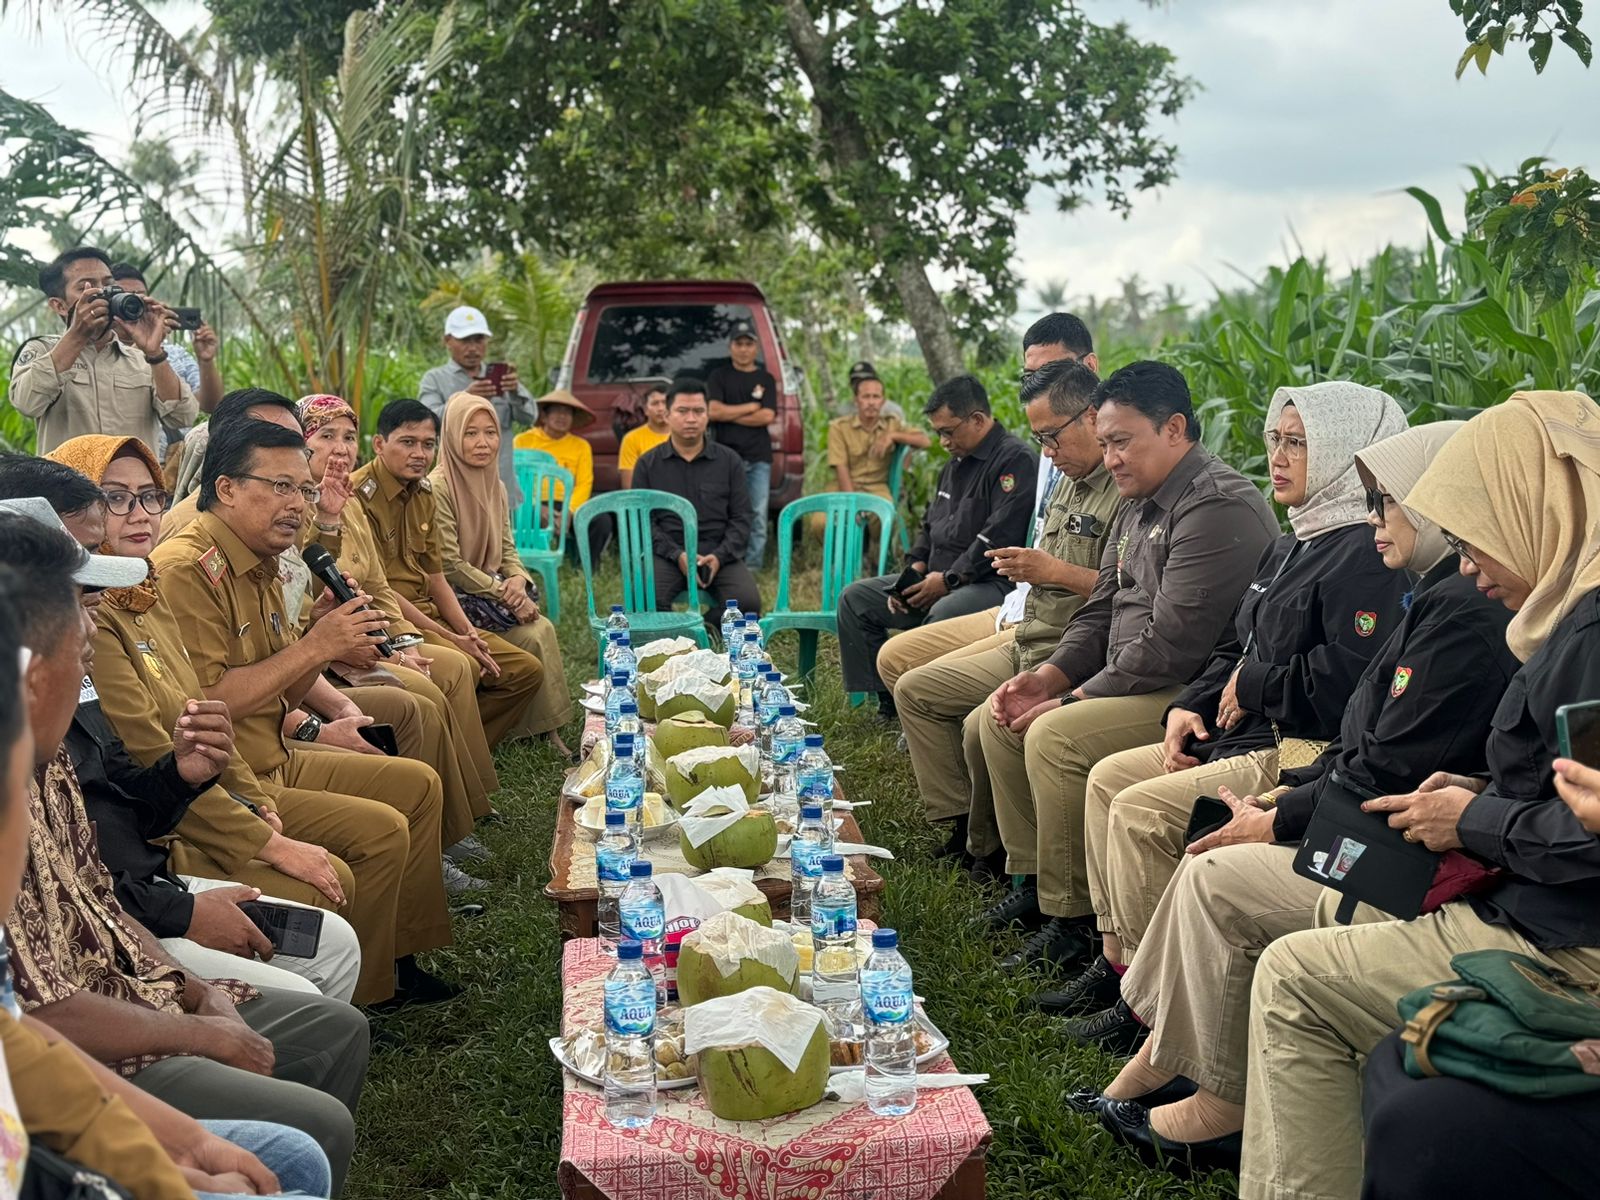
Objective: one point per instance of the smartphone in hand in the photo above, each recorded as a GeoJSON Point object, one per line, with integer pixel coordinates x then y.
{"type": "Point", "coordinates": [381, 737]}
{"type": "Point", "coordinates": [495, 372]}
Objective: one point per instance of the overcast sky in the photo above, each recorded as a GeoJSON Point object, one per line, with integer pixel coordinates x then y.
{"type": "Point", "coordinates": [1313, 114]}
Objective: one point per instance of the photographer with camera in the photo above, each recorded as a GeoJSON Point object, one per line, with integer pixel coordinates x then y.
{"type": "Point", "coordinates": [89, 379]}
{"type": "Point", "coordinates": [197, 368]}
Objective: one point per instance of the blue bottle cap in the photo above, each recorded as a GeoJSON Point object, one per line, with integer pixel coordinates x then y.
{"type": "Point", "coordinates": [615, 635]}
{"type": "Point", "coordinates": [733, 604]}
{"type": "Point", "coordinates": [629, 707]}
{"type": "Point", "coordinates": [833, 862]}
{"type": "Point", "coordinates": [750, 616]}
{"type": "Point", "coordinates": [786, 710]}
{"type": "Point", "coordinates": [619, 679]}
{"type": "Point", "coordinates": [624, 739]}
{"type": "Point", "coordinates": [811, 812]}
{"type": "Point", "coordinates": [616, 608]}
{"type": "Point", "coordinates": [813, 741]}
{"type": "Point", "coordinates": [616, 817]}
{"type": "Point", "coordinates": [629, 950]}
{"type": "Point", "coordinates": [641, 869]}
{"type": "Point", "coordinates": [885, 939]}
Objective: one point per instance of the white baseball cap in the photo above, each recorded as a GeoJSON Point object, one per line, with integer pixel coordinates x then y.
{"type": "Point", "coordinates": [465, 322]}
{"type": "Point", "coordinates": [94, 570]}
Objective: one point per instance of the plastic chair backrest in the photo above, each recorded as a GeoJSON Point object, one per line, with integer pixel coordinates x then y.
{"type": "Point", "coordinates": [897, 465]}
{"type": "Point", "coordinates": [541, 480]}
{"type": "Point", "coordinates": [844, 537]}
{"type": "Point", "coordinates": [518, 457]}
{"type": "Point", "coordinates": [633, 510]}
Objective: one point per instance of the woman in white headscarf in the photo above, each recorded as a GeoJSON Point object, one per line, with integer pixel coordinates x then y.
{"type": "Point", "coordinates": [1272, 694]}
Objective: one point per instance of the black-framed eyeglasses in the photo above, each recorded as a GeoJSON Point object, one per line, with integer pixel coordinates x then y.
{"type": "Point", "coordinates": [1050, 439]}
{"type": "Point", "coordinates": [287, 487]}
{"type": "Point", "coordinates": [1463, 551]}
{"type": "Point", "coordinates": [1378, 501]}
{"type": "Point", "coordinates": [153, 500]}
{"type": "Point", "coordinates": [944, 435]}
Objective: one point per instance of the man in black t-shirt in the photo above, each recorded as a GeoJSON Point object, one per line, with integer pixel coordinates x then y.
{"type": "Point", "coordinates": [744, 404]}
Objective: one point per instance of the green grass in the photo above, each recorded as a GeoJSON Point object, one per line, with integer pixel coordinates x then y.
{"type": "Point", "coordinates": [464, 1100]}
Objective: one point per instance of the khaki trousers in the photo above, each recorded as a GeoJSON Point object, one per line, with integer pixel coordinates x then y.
{"type": "Point", "coordinates": [502, 701]}
{"type": "Point", "coordinates": [1321, 1000]}
{"type": "Point", "coordinates": [455, 676]}
{"type": "Point", "coordinates": [381, 816]}
{"type": "Point", "coordinates": [939, 705]}
{"type": "Point", "coordinates": [920, 646]}
{"type": "Point", "coordinates": [186, 859]}
{"type": "Point", "coordinates": [416, 711]}
{"type": "Point", "coordinates": [551, 707]}
{"type": "Point", "coordinates": [1135, 820]}
{"type": "Point", "coordinates": [1040, 778]}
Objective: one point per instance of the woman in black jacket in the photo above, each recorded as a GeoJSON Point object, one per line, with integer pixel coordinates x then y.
{"type": "Point", "coordinates": [1321, 603]}
{"type": "Point", "coordinates": [1518, 492]}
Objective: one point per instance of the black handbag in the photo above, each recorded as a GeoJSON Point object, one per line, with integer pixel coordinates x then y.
{"type": "Point", "coordinates": [1357, 854]}
{"type": "Point", "coordinates": [49, 1176]}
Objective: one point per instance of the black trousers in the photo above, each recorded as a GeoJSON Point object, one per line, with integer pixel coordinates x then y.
{"type": "Point", "coordinates": [733, 581]}
{"type": "Point", "coordinates": [1443, 1137]}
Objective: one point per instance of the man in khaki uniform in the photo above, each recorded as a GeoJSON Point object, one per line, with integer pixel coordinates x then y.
{"type": "Point", "coordinates": [397, 497]}
{"type": "Point", "coordinates": [1178, 557]}
{"type": "Point", "coordinates": [1051, 338]}
{"type": "Point", "coordinates": [860, 447]}
{"type": "Point", "coordinates": [941, 703]}
{"type": "Point", "coordinates": [86, 380]}
{"type": "Point", "coordinates": [380, 815]}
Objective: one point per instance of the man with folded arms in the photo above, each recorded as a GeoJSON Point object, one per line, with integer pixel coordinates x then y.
{"type": "Point", "coordinates": [942, 702]}
{"type": "Point", "coordinates": [380, 815]}
{"type": "Point", "coordinates": [1179, 555]}
{"type": "Point", "coordinates": [83, 967]}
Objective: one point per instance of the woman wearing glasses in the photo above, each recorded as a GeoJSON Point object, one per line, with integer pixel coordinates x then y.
{"type": "Point", "coordinates": [1271, 696]}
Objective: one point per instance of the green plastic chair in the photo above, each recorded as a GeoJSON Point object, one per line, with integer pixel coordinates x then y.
{"type": "Point", "coordinates": [897, 464]}
{"type": "Point", "coordinates": [633, 510]}
{"type": "Point", "coordinates": [842, 542]}
{"type": "Point", "coordinates": [541, 543]}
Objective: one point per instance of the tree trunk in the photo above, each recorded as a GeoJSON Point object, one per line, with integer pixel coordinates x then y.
{"type": "Point", "coordinates": [924, 311]}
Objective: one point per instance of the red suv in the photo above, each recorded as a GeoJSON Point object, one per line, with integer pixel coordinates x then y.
{"type": "Point", "coordinates": [627, 334]}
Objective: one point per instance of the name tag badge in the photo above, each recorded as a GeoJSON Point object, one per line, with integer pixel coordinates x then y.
{"type": "Point", "coordinates": [152, 660]}
{"type": "Point", "coordinates": [86, 692]}
{"type": "Point", "coordinates": [944, 496]}
{"type": "Point", "coordinates": [277, 625]}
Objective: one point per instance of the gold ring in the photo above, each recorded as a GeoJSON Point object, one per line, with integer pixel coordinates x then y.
{"type": "Point", "coordinates": [1410, 835]}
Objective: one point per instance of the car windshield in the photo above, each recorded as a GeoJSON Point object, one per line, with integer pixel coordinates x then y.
{"type": "Point", "coordinates": [640, 341]}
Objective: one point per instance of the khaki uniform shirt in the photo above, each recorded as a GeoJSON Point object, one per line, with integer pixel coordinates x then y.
{"type": "Point", "coordinates": [356, 551]}
{"type": "Point", "coordinates": [230, 605]}
{"type": "Point", "coordinates": [144, 678]}
{"type": "Point", "coordinates": [1076, 521]}
{"type": "Point", "coordinates": [406, 528]}
{"type": "Point", "coordinates": [462, 575]}
{"type": "Point", "coordinates": [109, 389]}
{"type": "Point", "coordinates": [850, 447]}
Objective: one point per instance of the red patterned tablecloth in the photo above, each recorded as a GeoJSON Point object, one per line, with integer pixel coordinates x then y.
{"type": "Point", "coordinates": [831, 1151]}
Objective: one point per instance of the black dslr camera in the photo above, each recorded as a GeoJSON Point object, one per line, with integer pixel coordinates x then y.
{"type": "Point", "coordinates": [121, 304]}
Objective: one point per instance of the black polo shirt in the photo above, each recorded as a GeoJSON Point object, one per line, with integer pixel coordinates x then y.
{"type": "Point", "coordinates": [712, 481]}
{"type": "Point", "coordinates": [983, 501]}
{"type": "Point", "coordinates": [731, 386]}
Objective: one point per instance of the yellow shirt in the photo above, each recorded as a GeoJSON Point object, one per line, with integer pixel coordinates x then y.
{"type": "Point", "coordinates": [636, 442]}
{"type": "Point", "coordinates": [570, 452]}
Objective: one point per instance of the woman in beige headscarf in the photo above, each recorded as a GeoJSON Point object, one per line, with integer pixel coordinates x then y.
{"type": "Point", "coordinates": [1517, 493]}
{"type": "Point", "coordinates": [480, 554]}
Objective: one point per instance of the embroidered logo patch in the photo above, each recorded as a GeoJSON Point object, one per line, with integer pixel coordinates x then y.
{"type": "Point", "coordinates": [1008, 482]}
{"type": "Point", "coordinates": [1366, 622]}
{"type": "Point", "coordinates": [214, 565]}
{"type": "Point", "coordinates": [1402, 680]}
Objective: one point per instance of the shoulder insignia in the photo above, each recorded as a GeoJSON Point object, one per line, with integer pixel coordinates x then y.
{"type": "Point", "coordinates": [1366, 622]}
{"type": "Point", "coordinates": [214, 565]}
{"type": "Point", "coordinates": [425, 484]}
{"type": "Point", "coordinates": [35, 347]}
{"type": "Point", "coordinates": [1008, 482]}
{"type": "Point", "coordinates": [1402, 680]}
{"type": "Point", "coordinates": [369, 488]}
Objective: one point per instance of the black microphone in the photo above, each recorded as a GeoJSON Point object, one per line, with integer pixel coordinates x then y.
{"type": "Point", "coordinates": [316, 557]}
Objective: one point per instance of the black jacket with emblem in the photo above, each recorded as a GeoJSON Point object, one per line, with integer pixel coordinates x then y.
{"type": "Point", "coordinates": [983, 501]}
{"type": "Point", "coordinates": [1312, 619]}
{"type": "Point", "coordinates": [1423, 704]}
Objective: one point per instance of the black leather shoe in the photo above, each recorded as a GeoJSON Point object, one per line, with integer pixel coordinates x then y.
{"type": "Point", "coordinates": [1112, 1029]}
{"type": "Point", "coordinates": [1097, 986]}
{"type": "Point", "coordinates": [1129, 1121]}
{"type": "Point", "coordinates": [989, 869]}
{"type": "Point", "coordinates": [1058, 943]}
{"type": "Point", "coordinates": [1020, 907]}
{"type": "Point", "coordinates": [1089, 1102]}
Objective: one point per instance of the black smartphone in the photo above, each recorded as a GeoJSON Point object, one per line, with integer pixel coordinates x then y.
{"type": "Point", "coordinates": [293, 931]}
{"type": "Point", "coordinates": [382, 737]}
{"type": "Point", "coordinates": [1209, 815]}
{"type": "Point", "coordinates": [1578, 729]}
{"type": "Point", "coordinates": [910, 577]}
{"type": "Point", "coordinates": [703, 574]}
{"type": "Point", "coordinates": [188, 318]}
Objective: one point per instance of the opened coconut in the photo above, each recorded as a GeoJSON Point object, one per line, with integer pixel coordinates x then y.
{"type": "Point", "coordinates": [694, 771]}
{"type": "Point", "coordinates": [653, 654]}
{"type": "Point", "coordinates": [699, 664]}
{"type": "Point", "coordinates": [729, 954]}
{"type": "Point", "coordinates": [720, 829]}
{"type": "Point", "coordinates": [735, 891]}
{"type": "Point", "coordinates": [762, 1053]}
{"type": "Point", "coordinates": [695, 693]}
{"type": "Point", "coordinates": [687, 731]}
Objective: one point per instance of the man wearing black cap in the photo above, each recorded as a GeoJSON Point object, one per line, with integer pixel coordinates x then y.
{"type": "Point", "coordinates": [744, 404]}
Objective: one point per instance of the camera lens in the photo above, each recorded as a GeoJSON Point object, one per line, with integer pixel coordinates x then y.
{"type": "Point", "coordinates": [125, 306]}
